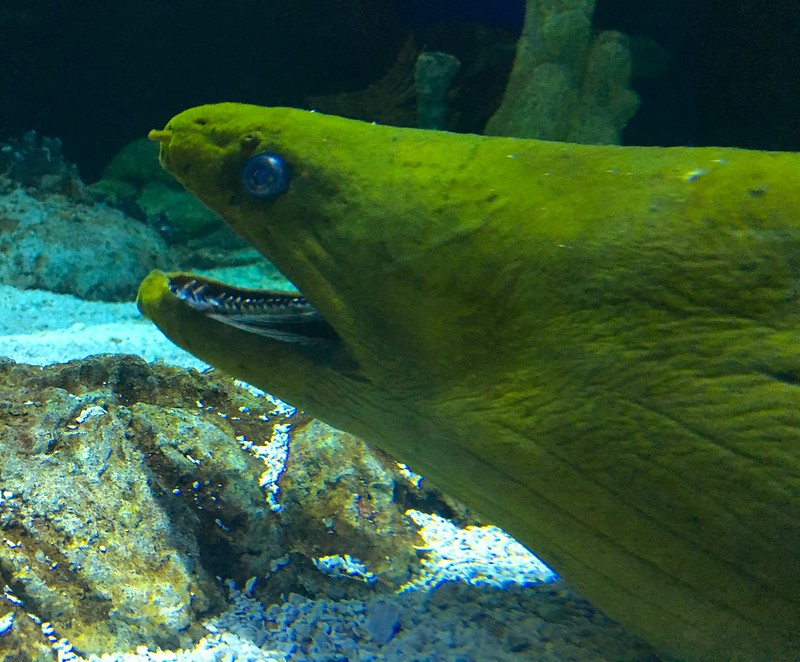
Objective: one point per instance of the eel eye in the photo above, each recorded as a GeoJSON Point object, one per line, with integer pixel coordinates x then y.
{"type": "Point", "coordinates": [265, 176]}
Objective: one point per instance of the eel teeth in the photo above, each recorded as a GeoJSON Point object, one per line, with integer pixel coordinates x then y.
{"type": "Point", "coordinates": [283, 316]}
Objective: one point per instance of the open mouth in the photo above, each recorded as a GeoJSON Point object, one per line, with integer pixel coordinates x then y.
{"type": "Point", "coordinates": [284, 316]}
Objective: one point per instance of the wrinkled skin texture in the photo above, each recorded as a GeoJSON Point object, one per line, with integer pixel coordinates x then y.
{"type": "Point", "coordinates": [595, 347]}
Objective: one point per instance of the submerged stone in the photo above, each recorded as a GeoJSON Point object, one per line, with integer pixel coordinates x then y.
{"type": "Point", "coordinates": [128, 489]}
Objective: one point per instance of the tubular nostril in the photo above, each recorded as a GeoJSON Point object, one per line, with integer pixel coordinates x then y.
{"type": "Point", "coordinates": [160, 136]}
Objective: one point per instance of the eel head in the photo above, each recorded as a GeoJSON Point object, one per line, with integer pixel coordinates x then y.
{"type": "Point", "coordinates": [596, 347]}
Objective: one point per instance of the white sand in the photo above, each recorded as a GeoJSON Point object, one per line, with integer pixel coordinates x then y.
{"type": "Point", "coordinates": [42, 328]}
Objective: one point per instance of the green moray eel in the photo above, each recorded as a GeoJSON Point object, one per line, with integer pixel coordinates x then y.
{"type": "Point", "coordinates": [595, 347]}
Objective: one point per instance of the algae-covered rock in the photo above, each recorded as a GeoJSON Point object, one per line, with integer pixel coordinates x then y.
{"type": "Point", "coordinates": [135, 181]}
{"type": "Point", "coordinates": [62, 245]}
{"type": "Point", "coordinates": [127, 489]}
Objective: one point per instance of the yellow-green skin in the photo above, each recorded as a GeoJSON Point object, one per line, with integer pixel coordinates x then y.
{"type": "Point", "coordinates": [595, 347]}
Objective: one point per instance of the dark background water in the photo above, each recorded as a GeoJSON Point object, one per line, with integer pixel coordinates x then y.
{"type": "Point", "coordinates": [100, 73]}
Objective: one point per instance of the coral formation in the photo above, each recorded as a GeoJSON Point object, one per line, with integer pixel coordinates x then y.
{"type": "Point", "coordinates": [567, 83]}
{"type": "Point", "coordinates": [337, 488]}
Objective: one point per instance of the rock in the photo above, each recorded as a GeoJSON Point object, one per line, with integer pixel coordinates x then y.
{"type": "Point", "coordinates": [127, 489]}
{"type": "Point", "coordinates": [342, 496]}
{"type": "Point", "coordinates": [92, 251]}
{"type": "Point", "coordinates": [37, 164]}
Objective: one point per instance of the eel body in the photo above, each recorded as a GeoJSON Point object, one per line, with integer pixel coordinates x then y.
{"type": "Point", "coordinates": [595, 347]}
